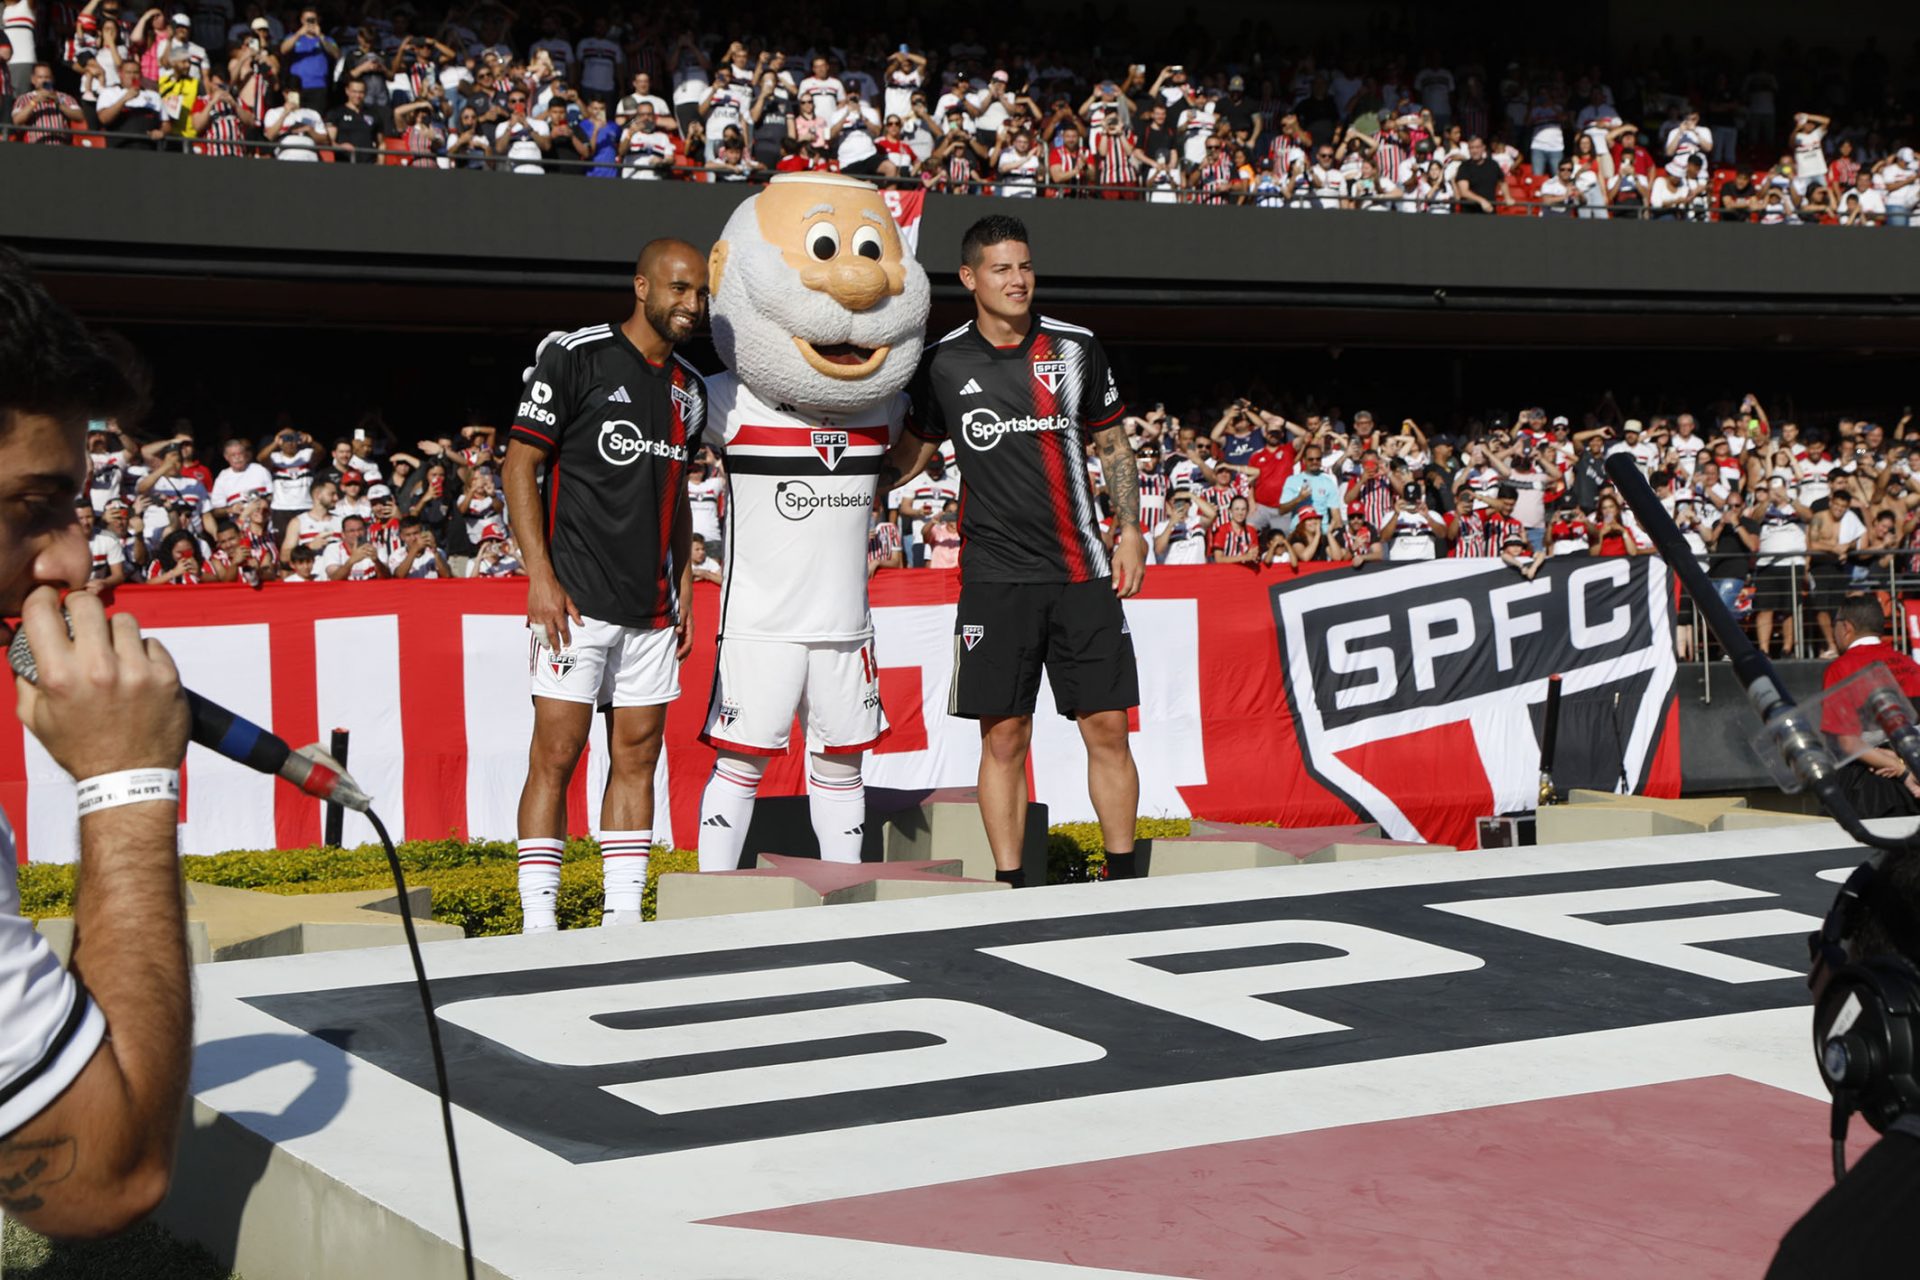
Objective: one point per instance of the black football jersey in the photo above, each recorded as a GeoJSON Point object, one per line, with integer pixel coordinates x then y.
{"type": "Point", "coordinates": [617, 431]}
{"type": "Point", "coordinates": [1019, 418]}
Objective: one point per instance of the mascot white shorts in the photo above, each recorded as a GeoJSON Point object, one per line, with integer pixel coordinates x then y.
{"type": "Point", "coordinates": [607, 665]}
{"type": "Point", "coordinates": [760, 685]}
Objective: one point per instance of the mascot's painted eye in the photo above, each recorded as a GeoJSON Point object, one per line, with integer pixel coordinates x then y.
{"type": "Point", "coordinates": [866, 243]}
{"type": "Point", "coordinates": [823, 241]}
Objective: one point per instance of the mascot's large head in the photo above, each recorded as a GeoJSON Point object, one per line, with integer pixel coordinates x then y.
{"type": "Point", "coordinates": [815, 300]}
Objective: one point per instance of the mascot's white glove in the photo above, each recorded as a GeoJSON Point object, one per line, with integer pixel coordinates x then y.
{"type": "Point", "coordinates": [526, 374]}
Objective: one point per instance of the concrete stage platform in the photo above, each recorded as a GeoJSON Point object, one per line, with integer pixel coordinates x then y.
{"type": "Point", "coordinates": [1586, 1061]}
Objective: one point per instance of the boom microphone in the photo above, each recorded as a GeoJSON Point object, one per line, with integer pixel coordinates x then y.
{"type": "Point", "coordinates": [242, 741]}
{"type": "Point", "coordinates": [1800, 746]}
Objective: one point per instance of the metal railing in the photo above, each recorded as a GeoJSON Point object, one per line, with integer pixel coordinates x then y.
{"type": "Point", "coordinates": [394, 153]}
{"type": "Point", "coordinates": [1805, 574]}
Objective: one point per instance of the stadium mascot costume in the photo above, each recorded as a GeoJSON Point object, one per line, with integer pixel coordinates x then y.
{"type": "Point", "coordinates": [819, 311]}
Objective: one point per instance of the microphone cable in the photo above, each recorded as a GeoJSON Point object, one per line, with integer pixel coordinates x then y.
{"type": "Point", "coordinates": [433, 1038]}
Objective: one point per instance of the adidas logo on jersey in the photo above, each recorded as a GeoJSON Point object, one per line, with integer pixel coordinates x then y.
{"type": "Point", "coordinates": [972, 388]}
{"type": "Point", "coordinates": [619, 396]}
{"type": "Point", "coordinates": [855, 831]}
{"type": "Point", "coordinates": [717, 821]}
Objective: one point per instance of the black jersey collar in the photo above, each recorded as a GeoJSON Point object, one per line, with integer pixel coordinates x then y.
{"type": "Point", "coordinates": [1016, 352]}
{"type": "Point", "coordinates": [639, 357]}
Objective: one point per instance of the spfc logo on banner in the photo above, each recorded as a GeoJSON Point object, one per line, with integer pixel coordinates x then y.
{"type": "Point", "coordinates": [831, 446]}
{"type": "Point", "coordinates": [1048, 373]}
{"type": "Point", "coordinates": [1388, 675]}
{"type": "Point", "coordinates": [970, 635]}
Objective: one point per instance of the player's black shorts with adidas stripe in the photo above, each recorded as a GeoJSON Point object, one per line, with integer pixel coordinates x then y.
{"type": "Point", "coordinates": [1006, 632]}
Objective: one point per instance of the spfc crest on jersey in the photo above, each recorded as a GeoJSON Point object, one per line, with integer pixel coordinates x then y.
{"type": "Point", "coordinates": [1048, 373]}
{"type": "Point", "coordinates": [831, 446]}
{"type": "Point", "coordinates": [970, 635]}
{"type": "Point", "coordinates": [729, 712]}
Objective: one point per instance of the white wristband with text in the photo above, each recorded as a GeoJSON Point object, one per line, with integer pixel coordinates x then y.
{"type": "Point", "coordinates": [129, 786]}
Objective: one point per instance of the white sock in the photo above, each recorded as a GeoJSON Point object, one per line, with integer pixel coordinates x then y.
{"type": "Point", "coordinates": [726, 807]}
{"type": "Point", "coordinates": [837, 802]}
{"type": "Point", "coordinates": [539, 882]}
{"type": "Point", "coordinates": [623, 863]}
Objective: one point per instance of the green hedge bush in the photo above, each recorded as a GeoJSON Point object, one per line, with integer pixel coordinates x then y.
{"type": "Point", "coordinates": [476, 883]}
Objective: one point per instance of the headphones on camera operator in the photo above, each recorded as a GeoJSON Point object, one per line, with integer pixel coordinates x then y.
{"type": "Point", "coordinates": [1866, 1018]}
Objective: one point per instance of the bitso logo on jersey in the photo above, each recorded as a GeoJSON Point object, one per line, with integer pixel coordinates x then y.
{"type": "Point", "coordinates": [830, 445]}
{"type": "Point", "coordinates": [970, 635]}
{"type": "Point", "coordinates": [1388, 672]}
{"type": "Point", "coordinates": [1048, 373]}
{"type": "Point", "coordinates": [537, 394]}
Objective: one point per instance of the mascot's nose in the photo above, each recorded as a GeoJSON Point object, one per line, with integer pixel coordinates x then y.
{"type": "Point", "coordinates": [856, 283]}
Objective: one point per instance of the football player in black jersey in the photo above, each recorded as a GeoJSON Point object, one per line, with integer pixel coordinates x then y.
{"type": "Point", "coordinates": [596, 480]}
{"type": "Point", "coordinates": [1020, 395]}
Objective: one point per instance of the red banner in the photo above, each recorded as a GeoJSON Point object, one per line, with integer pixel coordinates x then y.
{"type": "Point", "coordinates": [430, 678]}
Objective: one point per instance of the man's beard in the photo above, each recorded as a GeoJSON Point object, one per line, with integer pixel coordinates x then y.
{"type": "Point", "coordinates": [661, 318]}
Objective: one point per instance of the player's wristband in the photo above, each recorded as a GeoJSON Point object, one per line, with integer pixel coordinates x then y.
{"type": "Point", "coordinates": [129, 786]}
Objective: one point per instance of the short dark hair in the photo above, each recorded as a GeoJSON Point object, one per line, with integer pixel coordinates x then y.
{"type": "Point", "coordinates": [995, 228]}
{"type": "Point", "coordinates": [409, 522]}
{"type": "Point", "coordinates": [1506, 491]}
{"type": "Point", "coordinates": [1863, 613]}
{"type": "Point", "coordinates": [49, 364]}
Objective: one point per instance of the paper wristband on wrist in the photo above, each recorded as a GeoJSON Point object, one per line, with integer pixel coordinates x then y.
{"type": "Point", "coordinates": [129, 786]}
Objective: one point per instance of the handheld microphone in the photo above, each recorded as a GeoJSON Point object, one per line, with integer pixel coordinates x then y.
{"type": "Point", "coordinates": [242, 741]}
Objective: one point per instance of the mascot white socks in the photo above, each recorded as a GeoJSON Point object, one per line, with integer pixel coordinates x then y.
{"type": "Point", "coordinates": [819, 312]}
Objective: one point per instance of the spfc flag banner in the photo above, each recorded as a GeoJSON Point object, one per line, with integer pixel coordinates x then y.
{"type": "Point", "coordinates": [1416, 693]}
{"type": "Point", "coordinates": [1408, 695]}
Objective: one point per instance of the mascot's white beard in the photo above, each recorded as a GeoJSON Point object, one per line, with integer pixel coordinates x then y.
{"type": "Point", "coordinates": [762, 306]}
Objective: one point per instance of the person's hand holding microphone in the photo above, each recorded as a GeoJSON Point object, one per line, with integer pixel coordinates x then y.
{"type": "Point", "coordinates": [105, 699]}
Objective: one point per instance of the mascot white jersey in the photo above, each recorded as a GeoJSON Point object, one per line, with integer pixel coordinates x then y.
{"type": "Point", "coordinates": [819, 312]}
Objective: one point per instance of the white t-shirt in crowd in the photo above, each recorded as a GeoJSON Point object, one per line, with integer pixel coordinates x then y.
{"type": "Point", "coordinates": [1809, 155]}
{"type": "Point", "coordinates": [523, 151]}
{"type": "Point", "coordinates": [704, 498]}
{"type": "Point", "coordinates": [1020, 175]}
{"type": "Point", "coordinates": [1186, 545]}
{"type": "Point", "coordinates": [231, 484]}
{"type": "Point", "coordinates": [649, 155]}
{"type": "Point", "coordinates": [297, 146]}
{"type": "Point", "coordinates": [827, 93]}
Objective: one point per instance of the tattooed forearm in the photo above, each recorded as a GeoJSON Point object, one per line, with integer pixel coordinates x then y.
{"type": "Point", "coordinates": [1122, 475]}
{"type": "Point", "coordinates": [28, 1168]}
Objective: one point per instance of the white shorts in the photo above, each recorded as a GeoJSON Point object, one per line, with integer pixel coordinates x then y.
{"type": "Point", "coordinates": [607, 665]}
{"type": "Point", "coordinates": [760, 685]}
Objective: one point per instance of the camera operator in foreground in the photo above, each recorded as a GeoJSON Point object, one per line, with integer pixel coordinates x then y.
{"type": "Point", "coordinates": [93, 1061]}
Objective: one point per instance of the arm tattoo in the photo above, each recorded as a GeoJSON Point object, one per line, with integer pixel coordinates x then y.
{"type": "Point", "coordinates": [1122, 474]}
{"type": "Point", "coordinates": [28, 1167]}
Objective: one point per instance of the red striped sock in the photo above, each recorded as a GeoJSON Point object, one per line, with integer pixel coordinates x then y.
{"type": "Point", "coordinates": [623, 863]}
{"type": "Point", "coordinates": [540, 880]}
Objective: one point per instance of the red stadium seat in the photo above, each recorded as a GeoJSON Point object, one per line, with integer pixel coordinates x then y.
{"type": "Point", "coordinates": [92, 141]}
{"type": "Point", "coordinates": [394, 151]}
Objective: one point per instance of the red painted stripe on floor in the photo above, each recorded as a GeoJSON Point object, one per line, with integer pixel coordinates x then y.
{"type": "Point", "coordinates": [1691, 1179]}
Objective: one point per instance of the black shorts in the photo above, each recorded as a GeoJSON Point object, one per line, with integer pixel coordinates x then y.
{"type": "Point", "coordinates": [1006, 632]}
{"type": "Point", "coordinates": [1774, 586]}
{"type": "Point", "coordinates": [867, 167]}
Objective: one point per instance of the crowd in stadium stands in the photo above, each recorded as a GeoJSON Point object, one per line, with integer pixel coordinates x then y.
{"type": "Point", "coordinates": [1786, 521]}
{"type": "Point", "coordinates": [293, 510]}
{"type": "Point", "coordinates": [654, 94]}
